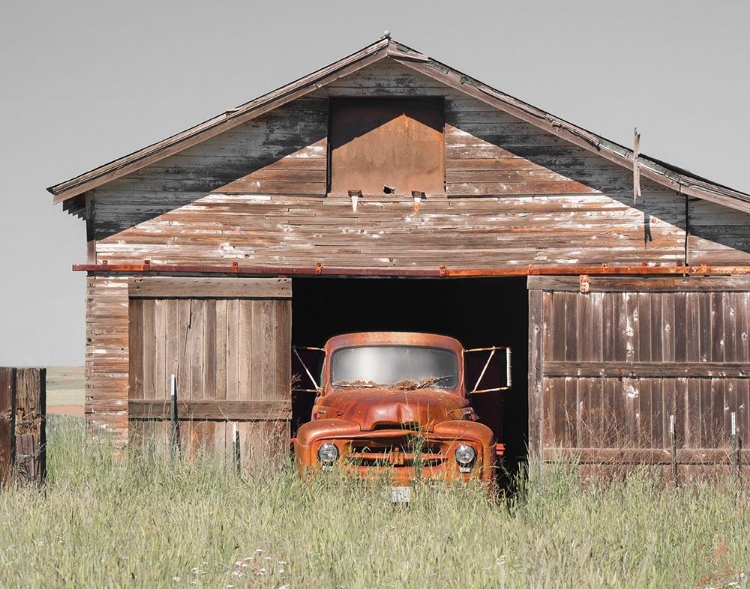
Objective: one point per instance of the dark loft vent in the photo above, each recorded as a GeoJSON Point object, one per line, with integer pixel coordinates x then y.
{"type": "Point", "coordinates": [387, 145]}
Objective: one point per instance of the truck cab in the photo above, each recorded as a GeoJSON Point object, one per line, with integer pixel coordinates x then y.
{"type": "Point", "coordinates": [395, 404]}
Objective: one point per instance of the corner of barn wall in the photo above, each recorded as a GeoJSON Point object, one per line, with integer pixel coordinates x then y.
{"type": "Point", "coordinates": [107, 359]}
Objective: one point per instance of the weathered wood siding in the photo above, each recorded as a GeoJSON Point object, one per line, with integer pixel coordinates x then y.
{"type": "Point", "coordinates": [718, 235]}
{"type": "Point", "coordinates": [107, 357]}
{"type": "Point", "coordinates": [256, 194]}
{"type": "Point", "coordinates": [612, 368]}
{"type": "Point", "coordinates": [227, 343]}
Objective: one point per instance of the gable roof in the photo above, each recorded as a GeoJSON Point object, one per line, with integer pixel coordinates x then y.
{"type": "Point", "coordinates": [672, 177]}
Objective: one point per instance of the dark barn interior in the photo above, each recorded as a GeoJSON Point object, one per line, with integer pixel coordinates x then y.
{"type": "Point", "coordinates": [479, 312]}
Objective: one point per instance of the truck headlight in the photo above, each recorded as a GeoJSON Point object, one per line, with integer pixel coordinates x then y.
{"type": "Point", "coordinates": [328, 453]}
{"type": "Point", "coordinates": [465, 454]}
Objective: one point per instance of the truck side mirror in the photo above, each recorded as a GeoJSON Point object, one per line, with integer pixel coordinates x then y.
{"type": "Point", "coordinates": [499, 365]}
{"type": "Point", "coordinates": [313, 356]}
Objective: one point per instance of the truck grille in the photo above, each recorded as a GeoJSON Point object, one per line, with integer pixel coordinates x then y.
{"type": "Point", "coordinates": [396, 453]}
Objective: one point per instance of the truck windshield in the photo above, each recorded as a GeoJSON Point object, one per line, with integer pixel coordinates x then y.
{"type": "Point", "coordinates": [407, 367]}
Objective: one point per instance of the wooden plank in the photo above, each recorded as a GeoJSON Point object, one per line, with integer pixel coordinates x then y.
{"type": "Point", "coordinates": [681, 342]}
{"type": "Point", "coordinates": [256, 352]}
{"type": "Point", "coordinates": [283, 344]}
{"type": "Point", "coordinates": [7, 421]}
{"type": "Point", "coordinates": [149, 349]}
{"type": "Point", "coordinates": [598, 412]}
{"type": "Point", "coordinates": [233, 350]}
{"type": "Point", "coordinates": [588, 328]}
{"type": "Point", "coordinates": [621, 321]}
{"type": "Point", "coordinates": [669, 409]}
{"type": "Point", "coordinates": [136, 349]}
{"type": "Point", "coordinates": [611, 417]}
{"type": "Point", "coordinates": [538, 310]}
{"type": "Point", "coordinates": [647, 413]}
{"type": "Point", "coordinates": [268, 350]}
{"type": "Point", "coordinates": [221, 349]}
{"type": "Point", "coordinates": [716, 301]}
{"type": "Point", "coordinates": [160, 376]}
{"type": "Point", "coordinates": [197, 410]}
{"type": "Point", "coordinates": [245, 350]}
{"type": "Point", "coordinates": [208, 386]}
{"type": "Point", "coordinates": [657, 328]}
{"type": "Point", "coordinates": [731, 301]}
{"type": "Point", "coordinates": [209, 350]}
{"type": "Point", "coordinates": [743, 327]}
{"type": "Point", "coordinates": [668, 327]}
{"type": "Point", "coordinates": [184, 374]}
{"type": "Point", "coordinates": [572, 417]}
{"type": "Point", "coordinates": [705, 333]}
{"type": "Point", "coordinates": [630, 388]}
{"type": "Point", "coordinates": [704, 398]}
{"type": "Point", "coordinates": [557, 415]}
{"type": "Point", "coordinates": [642, 284]}
{"type": "Point", "coordinates": [647, 369]}
{"type": "Point", "coordinates": [214, 288]}
{"type": "Point", "coordinates": [174, 344]}
{"type": "Point", "coordinates": [643, 318]}
{"type": "Point", "coordinates": [572, 349]}
{"type": "Point", "coordinates": [610, 323]}
{"type": "Point", "coordinates": [692, 326]}
{"type": "Point", "coordinates": [196, 348]}
{"type": "Point", "coordinates": [631, 334]}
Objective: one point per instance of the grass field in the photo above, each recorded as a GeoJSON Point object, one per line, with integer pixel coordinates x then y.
{"type": "Point", "coordinates": [65, 389]}
{"type": "Point", "coordinates": [108, 521]}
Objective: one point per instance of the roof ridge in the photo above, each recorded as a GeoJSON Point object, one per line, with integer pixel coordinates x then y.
{"type": "Point", "coordinates": [670, 176]}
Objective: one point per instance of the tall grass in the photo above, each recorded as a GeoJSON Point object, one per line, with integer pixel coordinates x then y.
{"type": "Point", "coordinates": [104, 521]}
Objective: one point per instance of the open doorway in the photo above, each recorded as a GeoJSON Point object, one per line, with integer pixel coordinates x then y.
{"type": "Point", "coordinates": [478, 312]}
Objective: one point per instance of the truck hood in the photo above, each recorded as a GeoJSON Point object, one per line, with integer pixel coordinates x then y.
{"type": "Point", "coordinates": [384, 408]}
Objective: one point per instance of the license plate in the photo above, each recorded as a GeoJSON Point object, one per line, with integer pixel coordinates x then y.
{"type": "Point", "coordinates": [400, 494]}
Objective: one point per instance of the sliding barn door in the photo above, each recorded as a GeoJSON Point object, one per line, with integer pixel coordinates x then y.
{"type": "Point", "coordinates": [641, 371]}
{"type": "Point", "coordinates": [222, 346]}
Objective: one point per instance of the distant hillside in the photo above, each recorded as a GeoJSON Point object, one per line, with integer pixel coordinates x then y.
{"type": "Point", "coordinates": [65, 389]}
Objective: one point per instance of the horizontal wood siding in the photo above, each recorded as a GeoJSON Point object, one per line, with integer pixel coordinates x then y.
{"type": "Point", "coordinates": [718, 235]}
{"type": "Point", "coordinates": [507, 232]}
{"type": "Point", "coordinates": [107, 358]}
{"type": "Point", "coordinates": [617, 367]}
{"type": "Point", "coordinates": [211, 288]}
{"type": "Point", "coordinates": [256, 194]}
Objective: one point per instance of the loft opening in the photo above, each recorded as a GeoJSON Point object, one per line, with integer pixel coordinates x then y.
{"type": "Point", "coordinates": [386, 145]}
{"type": "Point", "coordinates": [478, 312]}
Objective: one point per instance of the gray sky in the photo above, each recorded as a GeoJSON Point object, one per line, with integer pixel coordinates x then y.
{"type": "Point", "coordinates": [85, 82]}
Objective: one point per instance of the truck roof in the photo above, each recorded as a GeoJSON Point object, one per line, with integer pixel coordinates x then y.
{"type": "Point", "coordinates": [402, 338]}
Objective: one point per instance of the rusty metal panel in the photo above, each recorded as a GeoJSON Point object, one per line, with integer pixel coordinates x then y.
{"type": "Point", "coordinates": [387, 145]}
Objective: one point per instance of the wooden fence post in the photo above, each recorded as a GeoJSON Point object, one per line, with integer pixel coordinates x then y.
{"type": "Point", "coordinates": [23, 431]}
{"type": "Point", "coordinates": [31, 430]}
{"type": "Point", "coordinates": [7, 421]}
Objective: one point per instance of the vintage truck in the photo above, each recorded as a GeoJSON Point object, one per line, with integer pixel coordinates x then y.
{"type": "Point", "coordinates": [396, 404]}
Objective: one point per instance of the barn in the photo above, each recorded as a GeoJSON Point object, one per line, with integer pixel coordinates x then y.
{"type": "Point", "coordinates": [389, 191]}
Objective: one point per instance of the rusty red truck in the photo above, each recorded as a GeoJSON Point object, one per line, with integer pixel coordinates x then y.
{"type": "Point", "coordinates": [396, 404]}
